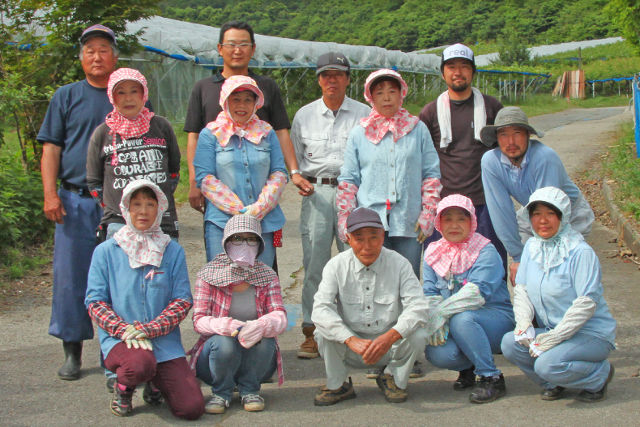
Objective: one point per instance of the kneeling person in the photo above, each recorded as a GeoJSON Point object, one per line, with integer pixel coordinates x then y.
{"type": "Point", "coordinates": [369, 312]}
{"type": "Point", "coordinates": [464, 280]}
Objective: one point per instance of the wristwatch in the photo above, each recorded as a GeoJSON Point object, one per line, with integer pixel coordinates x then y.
{"type": "Point", "coordinates": [295, 171]}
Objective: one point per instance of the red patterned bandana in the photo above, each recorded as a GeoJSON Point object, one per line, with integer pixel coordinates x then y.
{"type": "Point", "coordinates": [119, 124]}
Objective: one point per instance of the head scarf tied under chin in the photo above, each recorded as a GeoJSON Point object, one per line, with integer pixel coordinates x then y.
{"type": "Point", "coordinates": [553, 251]}
{"type": "Point", "coordinates": [119, 124]}
{"type": "Point", "coordinates": [142, 247]}
{"type": "Point", "coordinates": [444, 256]}
{"type": "Point", "coordinates": [376, 125]}
{"type": "Point", "coordinates": [223, 127]}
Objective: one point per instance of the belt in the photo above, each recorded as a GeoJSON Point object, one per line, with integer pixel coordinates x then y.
{"type": "Point", "coordinates": [80, 191]}
{"type": "Point", "coordinates": [326, 181]}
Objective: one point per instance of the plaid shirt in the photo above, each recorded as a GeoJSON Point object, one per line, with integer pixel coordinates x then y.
{"type": "Point", "coordinates": [215, 300]}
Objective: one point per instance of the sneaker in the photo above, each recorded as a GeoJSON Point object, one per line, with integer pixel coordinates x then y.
{"type": "Point", "coordinates": [466, 379]}
{"type": "Point", "coordinates": [121, 403]}
{"type": "Point", "coordinates": [391, 391]}
{"type": "Point", "coordinates": [552, 393]}
{"type": "Point", "coordinates": [216, 405]}
{"type": "Point", "coordinates": [252, 402]}
{"type": "Point", "coordinates": [590, 397]}
{"type": "Point", "coordinates": [309, 348]}
{"type": "Point", "coordinates": [417, 371]}
{"type": "Point", "coordinates": [488, 389]}
{"type": "Point", "coordinates": [373, 373]}
{"type": "Point", "coordinates": [152, 395]}
{"type": "Point", "coordinates": [326, 397]}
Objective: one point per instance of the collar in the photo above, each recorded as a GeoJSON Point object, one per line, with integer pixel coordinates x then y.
{"type": "Point", "coordinates": [343, 107]}
{"type": "Point", "coordinates": [359, 266]}
{"type": "Point", "coordinates": [219, 78]}
{"type": "Point", "coordinates": [505, 160]}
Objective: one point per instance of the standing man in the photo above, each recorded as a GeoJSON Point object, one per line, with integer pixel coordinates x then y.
{"type": "Point", "coordinates": [74, 112]}
{"type": "Point", "coordinates": [319, 134]}
{"type": "Point", "coordinates": [236, 46]}
{"type": "Point", "coordinates": [517, 168]}
{"type": "Point", "coordinates": [454, 121]}
{"type": "Point", "coordinates": [370, 312]}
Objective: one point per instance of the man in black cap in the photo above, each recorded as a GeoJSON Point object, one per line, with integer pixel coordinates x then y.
{"type": "Point", "coordinates": [319, 134]}
{"type": "Point", "coordinates": [454, 121]}
{"type": "Point", "coordinates": [74, 112]}
{"type": "Point", "coordinates": [369, 311]}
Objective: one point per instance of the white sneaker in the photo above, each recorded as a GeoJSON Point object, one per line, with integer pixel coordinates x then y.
{"type": "Point", "coordinates": [216, 405]}
{"type": "Point", "coordinates": [253, 402]}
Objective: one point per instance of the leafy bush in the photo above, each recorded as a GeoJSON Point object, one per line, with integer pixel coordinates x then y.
{"type": "Point", "coordinates": [623, 165]}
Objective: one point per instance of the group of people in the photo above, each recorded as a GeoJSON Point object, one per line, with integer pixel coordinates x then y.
{"type": "Point", "coordinates": [395, 201]}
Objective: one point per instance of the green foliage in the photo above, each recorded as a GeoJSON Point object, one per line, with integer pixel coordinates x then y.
{"type": "Point", "coordinates": [625, 15]}
{"type": "Point", "coordinates": [623, 166]}
{"type": "Point", "coordinates": [512, 51]}
{"type": "Point", "coordinates": [406, 24]}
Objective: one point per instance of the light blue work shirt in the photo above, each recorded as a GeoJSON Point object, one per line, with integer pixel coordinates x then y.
{"type": "Point", "coordinates": [391, 171]}
{"type": "Point", "coordinates": [487, 272]}
{"type": "Point", "coordinates": [553, 292]}
{"type": "Point", "coordinates": [136, 295]}
{"type": "Point", "coordinates": [541, 167]}
{"type": "Point", "coordinates": [244, 167]}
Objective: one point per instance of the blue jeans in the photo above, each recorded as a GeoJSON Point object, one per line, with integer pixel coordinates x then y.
{"type": "Point", "coordinates": [213, 243]}
{"type": "Point", "coordinates": [474, 336]}
{"type": "Point", "coordinates": [224, 363]}
{"type": "Point", "coordinates": [408, 247]}
{"type": "Point", "coordinates": [578, 363]}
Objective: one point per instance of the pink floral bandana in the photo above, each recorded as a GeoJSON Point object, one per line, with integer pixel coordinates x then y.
{"type": "Point", "coordinates": [376, 125]}
{"type": "Point", "coordinates": [142, 247]}
{"type": "Point", "coordinates": [119, 124]}
{"type": "Point", "coordinates": [223, 127]}
{"type": "Point", "coordinates": [444, 256]}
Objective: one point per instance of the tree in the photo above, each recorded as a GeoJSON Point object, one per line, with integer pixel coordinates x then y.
{"type": "Point", "coordinates": [626, 15]}
{"type": "Point", "coordinates": [41, 54]}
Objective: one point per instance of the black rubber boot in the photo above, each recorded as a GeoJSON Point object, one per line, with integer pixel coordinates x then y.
{"type": "Point", "coordinates": [70, 370]}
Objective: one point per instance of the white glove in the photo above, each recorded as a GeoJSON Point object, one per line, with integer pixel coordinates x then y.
{"type": "Point", "coordinates": [440, 336]}
{"type": "Point", "coordinates": [135, 338]}
{"type": "Point", "coordinates": [526, 337]}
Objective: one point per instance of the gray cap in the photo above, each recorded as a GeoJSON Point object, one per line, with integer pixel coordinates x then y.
{"type": "Point", "coordinates": [332, 61]}
{"type": "Point", "coordinates": [363, 217]}
{"type": "Point", "coordinates": [98, 30]}
{"type": "Point", "coordinates": [508, 116]}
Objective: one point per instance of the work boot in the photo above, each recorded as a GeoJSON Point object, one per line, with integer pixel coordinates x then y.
{"type": "Point", "coordinates": [70, 370]}
{"type": "Point", "coordinates": [392, 392]}
{"type": "Point", "coordinates": [326, 397]}
{"type": "Point", "coordinates": [309, 348]}
{"type": "Point", "coordinates": [554, 393]}
{"type": "Point", "coordinates": [152, 395]}
{"type": "Point", "coordinates": [591, 396]}
{"type": "Point", "coordinates": [121, 403]}
{"type": "Point", "coordinates": [488, 389]}
{"type": "Point", "coordinates": [466, 379]}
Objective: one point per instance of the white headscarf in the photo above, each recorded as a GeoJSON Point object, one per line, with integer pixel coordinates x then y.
{"type": "Point", "coordinates": [142, 247]}
{"type": "Point", "coordinates": [553, 251]}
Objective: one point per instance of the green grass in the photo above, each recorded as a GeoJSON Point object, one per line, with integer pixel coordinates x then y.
{"type": "Point", "coordinates": [181, 194]}
{"type": "Point", "coordinates": [622, 165]}
{"type": "Point", "coordinates": [546, 104]}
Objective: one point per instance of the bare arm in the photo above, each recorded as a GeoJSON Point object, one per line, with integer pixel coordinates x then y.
{"type": "Point", "coordinates": [304, 187]}
{"type": "Point", "coordinates": [49, 166]}
{"type": "Point", "coordinates": [196, 199]}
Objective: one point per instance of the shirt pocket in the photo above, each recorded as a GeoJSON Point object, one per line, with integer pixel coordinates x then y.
{"type": "Point", "coordinates": [559, 287]}
{"type": "Point", "coordinates": [315, 145]}
{"type": "Point", "coordinates": [224, 157]}
{"type": "Point", "coordinates": [386, 305]}
{"type": "Point", "coordinates": [351, 300]}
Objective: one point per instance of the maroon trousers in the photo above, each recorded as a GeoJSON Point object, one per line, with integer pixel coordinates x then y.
{"type": "Point", "coordinates": [175, 380]}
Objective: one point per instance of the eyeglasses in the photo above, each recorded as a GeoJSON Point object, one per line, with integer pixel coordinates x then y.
{"type": "Point", "coordinates": [238, 240]}
{"type": "Point", "coordinates": [233, 46]}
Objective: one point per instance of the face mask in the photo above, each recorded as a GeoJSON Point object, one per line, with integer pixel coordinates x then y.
{"type": "Point", "coordinates": [243, 254]}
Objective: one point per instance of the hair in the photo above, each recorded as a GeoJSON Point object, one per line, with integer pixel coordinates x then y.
{"type": "Point", "coordinates": [381, 79]}
{"type": "Point", "coordinates": [114, 48]}
{"type": "Point", "coordinates": [240, 90]}
{"type": "Point", "coordinates": [534, 205]}
{"type": "Point", "coordinates": [147, 191]}
{"type": "Point", "coordinates": [238, 25]}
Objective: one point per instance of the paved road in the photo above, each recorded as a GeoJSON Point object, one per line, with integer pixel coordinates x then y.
{"type": "Point", "coordinates": [33, 395]}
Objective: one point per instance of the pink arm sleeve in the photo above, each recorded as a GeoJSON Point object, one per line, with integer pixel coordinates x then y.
{"type": "Point", "coordinates": [209, 325]}
{"type": "Point", "coordinates": [269, 196]}
{"type": "Point", "coordinates": [346, 202]}
{"type": "Point", "coordinates": [273, 324]}
{"type": "Point", "coordinates": [220, 195]}
{"type": "Point", "coordinates": [431, 188]}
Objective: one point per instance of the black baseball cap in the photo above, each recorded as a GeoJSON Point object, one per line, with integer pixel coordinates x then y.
{"type": "Point", "coordinates": [332, 61]}
{"type": "Point", "coordinates": [363, 217]}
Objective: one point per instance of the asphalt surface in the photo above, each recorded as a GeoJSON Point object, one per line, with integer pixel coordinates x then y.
{"type": "Point", "coordinates": [33, 395]}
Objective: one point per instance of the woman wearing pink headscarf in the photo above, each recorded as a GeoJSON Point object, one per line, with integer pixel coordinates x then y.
{"type": "Point", "coordinates": [463, 278]}
{"type": "Point", "coordinates": [391, 166]}
{"type": "Point", "coordinates": [239, 167]}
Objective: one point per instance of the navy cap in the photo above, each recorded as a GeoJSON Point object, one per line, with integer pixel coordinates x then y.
{"type": "Point", "coordinates": [98, 30]}
{"type": "Point", "coordinates": [363, 217]}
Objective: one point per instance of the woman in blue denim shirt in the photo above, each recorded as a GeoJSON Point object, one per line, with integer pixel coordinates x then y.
{"type": "Point", "coordinates": [239, 167]}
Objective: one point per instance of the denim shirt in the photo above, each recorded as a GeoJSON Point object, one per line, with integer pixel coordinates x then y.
{"type": "Point", "coordinates": [552, 293]}
{"type": "Point", "coordinates": [487, 272]}
{"type": "Point", "coordinates": [244, 167]}
{"type": "Point", "coordinates": [134, 294]}
{"type": "Point", "coordinates": [541, 167]}
{"type": "Point", "coordinates": [391, 171]}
